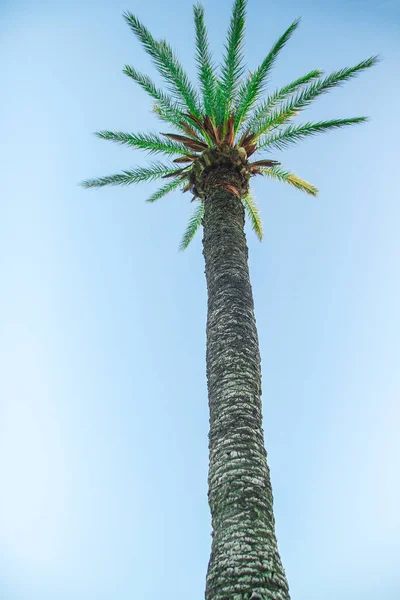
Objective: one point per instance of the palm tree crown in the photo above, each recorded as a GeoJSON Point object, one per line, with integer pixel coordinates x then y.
{"type": "Point", "coordinates": [227, 120]}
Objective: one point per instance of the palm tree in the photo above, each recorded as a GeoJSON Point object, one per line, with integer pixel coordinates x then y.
{"type": "Point", "coordinates": [217, 129]}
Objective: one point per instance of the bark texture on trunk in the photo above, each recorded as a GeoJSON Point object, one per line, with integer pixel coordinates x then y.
{"type": "Point", "coordinates": [245, 562]}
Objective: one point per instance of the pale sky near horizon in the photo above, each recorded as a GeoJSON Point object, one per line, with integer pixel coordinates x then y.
{"type": "Point", "coordinates": [103, 403]}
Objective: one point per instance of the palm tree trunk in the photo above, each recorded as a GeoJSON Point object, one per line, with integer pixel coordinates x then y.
{"type": "Point", "coordinates": [245, 562]}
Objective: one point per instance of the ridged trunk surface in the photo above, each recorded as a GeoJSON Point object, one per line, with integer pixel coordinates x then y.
{"type": "Point", "coordinates": [245, 562]}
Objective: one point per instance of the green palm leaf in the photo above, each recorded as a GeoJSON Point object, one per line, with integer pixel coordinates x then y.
{"type": "Point", "coordinates": [164, 190]}
{"type": "Point", "coordinates": [193, 226]}
{"type": "Point", "coordinates": [304, 98]}
{"type": "Point", "coordinates": [232, 68]}
{"type": "Point", "coordinates": [254, 85]}
{"type": "Point", "coordinates": [167, 64]}
{"type": "Point", "coordinates": [253, 213]}
{"type": "Point", "coordinates": [145, 141]}
{"type": "Point", "coordinates": [155, 171]}
{"type": "Point", "coordinates": [204, 62]}
{"type": "Point", "coordinates": [227, 104]}
{"type": "Point", "coordinates": [295, 133]}
{"type": "Point", "coordinates": [171, 112]}
{"type": "Point", "coordinates": [285, 176]}
{"type": "Point", "coordinates": [263, 111]}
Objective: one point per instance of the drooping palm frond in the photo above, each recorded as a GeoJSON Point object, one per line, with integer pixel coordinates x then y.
{"type": "Point", "coordinates": [193, 226]}
{"type": "Point", "coordinates": [285, 176]}
{"type": "Point", "coordinates": [170, 111]}
{"type": "Point", "coordinates": [155, 171]}
{"type": "Point", "coordinates": [306, 96]}
{"type": "Point", "coordinates": [167, 65]}
{"type": "Point", "coordinates": [145, 141]}
{"type": "Point", "coordinates": [204, 62]}
{"type": "Point", "coordinates": [252, 88]}
{"type": "Point", "coordinates": [295, 133]}
{"type": "Point", "coordinates": [232, 67]}
{"type": "Point", "coordinates": [253, 213]}
{"type": "Point", "coordinates": [164, 190]}
{"type": "Point", "coordinates": [264, 109]}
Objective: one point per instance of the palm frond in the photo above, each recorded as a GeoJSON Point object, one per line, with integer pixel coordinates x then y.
{"type": "Point", "coordinates": [182, 173]}
{"type": "Point", "coordinates": [167, 64]}
{"type": "Point", "coordinates": [285, 176]}
{"type": "Point", "coordinates": [263, 111]}
{"type": "Point", "coordinates": [204, 62]}
{"type": "Point", "coordinates": [169, 110]}
{"type": "Point", "coordinates": [305, 97]}
{"type": "Point", "coordinates": [294, 133]}
{"type": "Point", "coordinates": [145, 141]}
{"type": "Point", "coordinates": [253, 213]}
{"type": "Point", "coordinates": [254, 85]}
{"type": "Point", "coordinates": [232, 67]}
{"type": "Point", "coordinates": [164, 190]}
{"type": "Point", "coordinates": [193, 226]}
{"type": "Point", "coordinates": [155, 171]}
{"type": "Point", "coordinates": [333, 80]}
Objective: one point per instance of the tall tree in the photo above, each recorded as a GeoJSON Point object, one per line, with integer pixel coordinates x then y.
{"type": "Point", "coordinates": [217, 131]}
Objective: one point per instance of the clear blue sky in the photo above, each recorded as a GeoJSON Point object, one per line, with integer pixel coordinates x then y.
{"type": "Point", "coordinates": [104, 417]}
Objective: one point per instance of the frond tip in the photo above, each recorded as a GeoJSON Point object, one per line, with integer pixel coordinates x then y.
{"type": "Point", "coordinates": [295, 133]}
{"type": "Point", "coordinates": [166, 108]}
{"type": "Point", "coordinates": [136, 175]}
{"type": "Point", "coordinates": [192, 227]}
{"type": "Point", "coordinates": [263, 120]}
{"type": "Point", "coordinates": [144, 141]}
{"type": "Point", "coordinates": [204, 62]}
{"type": "Point", "coordinates": [253, 87]}
{"type": "Point", "coordinates": [291, 178]}
{"type": "Point", "coordinates": [232, 68]}
{"type": "Point", "coordinates": [164, 190]}
{"type": "Point", "coordinates": [166, 63]}
{"type": "Point", "coordinates": [253, 213]}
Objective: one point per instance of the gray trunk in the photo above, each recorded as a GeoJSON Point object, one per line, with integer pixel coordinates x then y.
{"type": "Point", "coordinates": [245, 562]}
